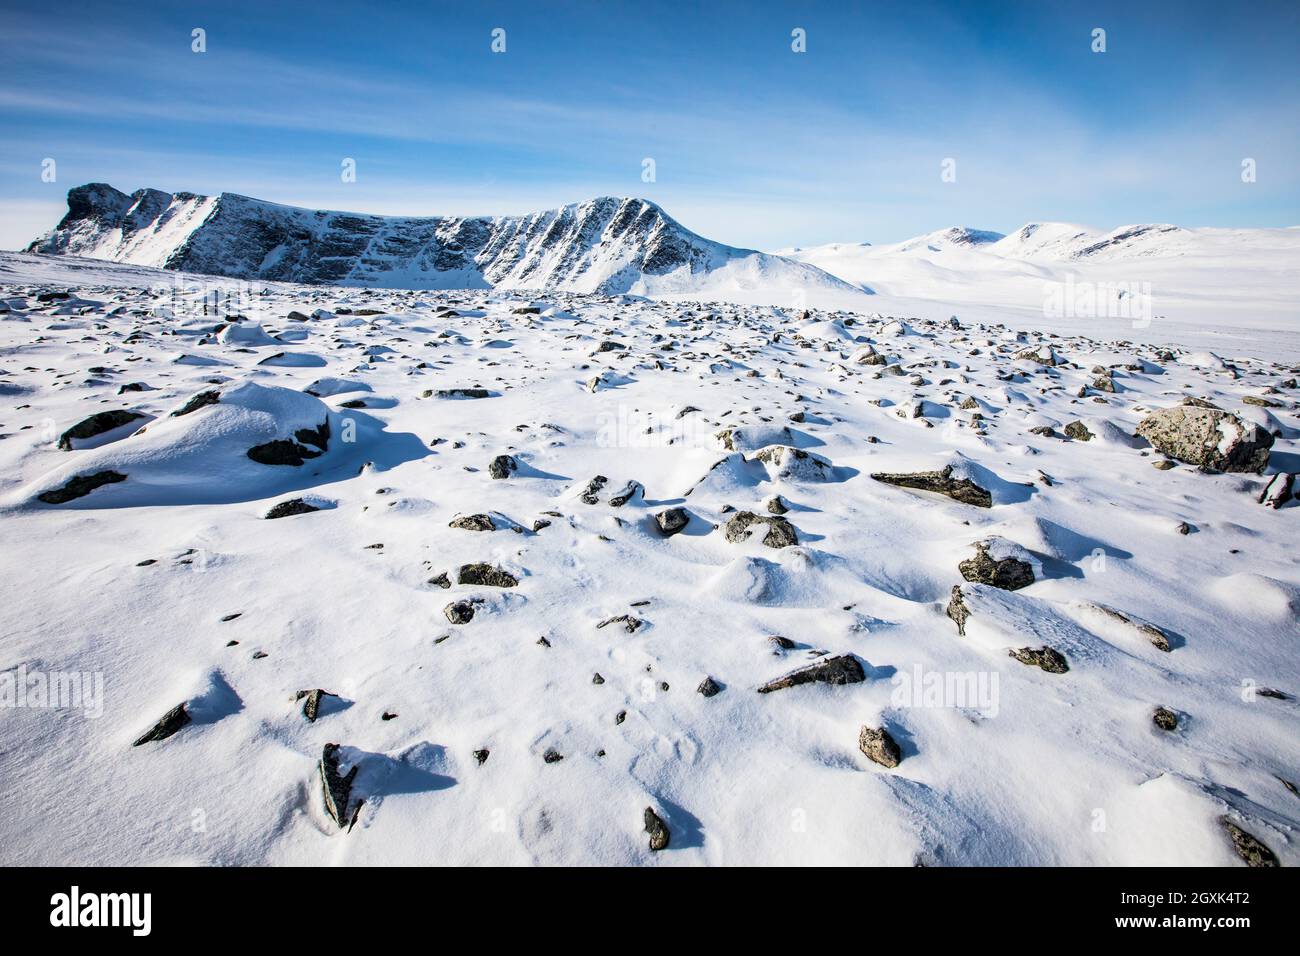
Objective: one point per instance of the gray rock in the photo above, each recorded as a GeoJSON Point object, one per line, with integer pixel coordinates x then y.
{"type": "Point", "coordinates": [1078, 431]}
{"type": "Point", "coordinates": [473, 523]}
{"type": "Point", "coordinates": [463, 393]}
{"type": "Point", "coordinates": [80, 486]}
{"type": "Point", "coordinates": [958, 610]}
{"type": "Point", "coordinates": [709, 687]}
{"type": "Point", "coordinates": [1042, 657]}
{"type": "Point", "coordinates": [1165, 719]}
{"type": "Point", "coordinates": [200, 400]}
{"type": "Point", "coordinates": [485, 575]}
{"type": "Point", "coordinates": [1208, 437]}
{"type": "Point", "coordinates": [630, 491]}
{"type": "Point", "coordinates": [658, 830]}
{"type": "Point", "coordinates": [97, 424]}
{"type": "Point", "coordinates": [776, 505]}
{"type": "Point", "coordinates": [880, 747]}
{"type": "Point", "coordinates": [286, 509]}
{"type": "Point", "coordinates": [672, 521]}
{"type": "Point", "coordinates": [1009, 574]}
{"type": "Point", "coordinates": [630, 624]}
{"type": "Point", "coordinates": [1278, 490]}
{"type": "Point", "coordinates": [780, 533]}
{"type": "Point", "coordinates": [336, 789]}
{"type": "Point", "coordinates": [1249, 847]}
{"type": "Point", "coordinates": [502, 466]}
{"type": "Point", "coordinates": [591, 493]}
{"type": "Point", "coordinates": [941, 482]}
{"type": "Point", "coordinates": [844, 669]}
{"type": "Point", "coordinates": [459, 612]}
{"type": "Point", "coordinates": [311, 705]}
{"type": "Point", "coordinates": [168, 724]}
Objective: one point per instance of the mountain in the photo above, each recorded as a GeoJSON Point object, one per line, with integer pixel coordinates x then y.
{"type": "Point", "coordinates": [605, 245]}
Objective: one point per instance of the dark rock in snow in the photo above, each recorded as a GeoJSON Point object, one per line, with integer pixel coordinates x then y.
{"type": "Point", "coordinates": [1208, 437]}
{"type": "Point", "coordinates": [1249, 847]}
{"type": "Point", "coordinates": [336, 789]}
{"type": "Point", "coordinates": [672, 521]}
{"type": "Point", "coordinates": [97, 424]}
{"type": "Point", "coordinates": [473, 523]}
{"type": "Point", "coordinates": [630, 623]}
{"type": "Point", "coordinates": [591, 492]}
{"type": "Point", "coordinates": [941, 482]}
{"type": "Point", "coordinates": [1078, 431]}
{"type": "Point", "coordinates": [1009, 574]}
{"type": "Point", "coordinates": [286, 509]}
{"type": "Point", "coordinates": [709, 687]}
{"type": "Point", "coordinates": [552, 755]}
{"type": "Point", "coordinates": [459, 612]}
{"type": "Point", "coordinates": [879, 746]}
{"type": "Point", "coordinates": [168, 724]}
{"type": "Point", "coordinates": [282, 451]}
{"type": "Point", "coordinates": [658, 830]}
{"type": "Point", "coordinates": [502, 466]}
{"type": "Point", "coordinates": [780, 533]}
{"type": "Point", "coordinates": [79, 487]}
{"type": "Point", "coordinates": [957, 610]}
{"type": "Point", "coordinates": [630, 491]}
{"type": "Point", "coordinates": [311, 703]}
{"type": "Point", "coordinates": [1165, 719]}
{"type": "Point", "coordinates": [463, 393]}
{"type": "Point", "coordinates": [1044, 657]}
{"type": "Point", "coordinates": [844, 669]}
{"type": "Point", "coordinates": [481, 756]}
{"type": "Point", "coordinates": [210, 397]}
{"type": "Point", "coordinates": [485, 575]}
{"type": "Point", "coordinates": [1278, 490]}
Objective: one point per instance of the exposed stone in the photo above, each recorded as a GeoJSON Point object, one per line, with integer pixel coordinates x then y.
{"type": "Point", "coordinates": [1009, 573]}
{"type": "Point", "coordinates": [776, 505]}
{"type": "Point", "coordinates": [880, 747]}
{"type": "Point", "coordinates": [1165, 719]}
{"type": "Point", "coordinates": [440, 581]}
{"type": "Point", "coordinates": [672, 521]}
{"type": "Point", "coordinates": [485, 575]}
{"type": "Point", "coordinates": [1208, 437]}
{"type": "Point", "coordinates": [591, 492]}
{"type": "Point", "coordinates": [311, 705]}
{"type": "Point", "coordinates": [630, 491]}
{"type": "Point", "coordinates": [210, 397]}
{"type": "Point", "coordinates": [286, 509]}
{"type": "Point", "coordinates": [80, 486]}
{"type": "Point", "coordinates": [709, 687]}
{"type": "Point", "coordinates": [95, 425]}
{"type": "Point", "coordinates": [168, 724]}
{"type": "Point", "coordinates": [1249, 847]}
{"type": "Point", "coordinates": [552, 755]}
{"type": "Point", "coordinates": [463, 393]}
{"type": "Point", "coordinates": [473, 523]}
{"type": "Point", "coordinates": [844, 669]}
{"type": "Point", "coordinates": [1078, 431]}
{"type": "Point", "coordinates": [630, 623]}
{"type": "Point", "coordinates": [282, 451]}
{"type": "Point", "coordinates": [1278, 490]}
{"type": "Point", "coordinates": [502, 466]}
{"type": "Point", "coordinates": [336, 789]}
{"type": "Point", "coordinates": [1043, 657]}
{"type": "Point", "coordinates": [957, 610]}
{"type": "Point", "coordinates": [658, 830]}
{"type": "Point", "coordinates": [941, 482]}
{"type": "Point", "coordinates": [459, 612]}
{"type": "Point", "coordinates": [780, 533]}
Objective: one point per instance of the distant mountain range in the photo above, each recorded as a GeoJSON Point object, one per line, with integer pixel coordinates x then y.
{"type": "Point", "coordinates": [605, 245]}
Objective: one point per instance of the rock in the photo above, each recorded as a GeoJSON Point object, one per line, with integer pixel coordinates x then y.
{"type": "Point", "coordinates": [552, 755]}
{"type": "Point", "coordinates": [485, 575]}
{"type": "Point", "coordinates": [539, 524]}
{"type": "Point", "coordinates": [793, 464]}
{"type": "Point", "coordinates": [282, 451]}
{"type": "Point", "coordinates": [844, 669]}
{"type": "Point", "coordinates": [1043, 355]}
{"type": "Point", "coordinates": [709, 687]}
{"type": "Point", "coordinates": [1047, 431]}
{"type": "Point", "coordinates": [168, 724]}
{"type": "Point", "coordinates": [502, 466]}
{"type": "Point", "coordinates": [590, 493]}
{"type": "Point", "coordinates": [336, 789]}
{"type": "Point", "coordinates": [630, 623]}
{"type": "Point", "coordinates": [1043, 657]}
{"type": "Point", "coordinates": [1248, 847]}
{"type": "Point", "coordinates": [79, 486]}
{"type": "Point", "coordinates": [1157, 637]}
{"type": "Point", "coordinates": [286, 509]}
{"type": "Point", "coordinates": [200, 400]}
{"type": "Point", "coordinates": [95, 425]}
{"type": "Point", "coordinates": [1165, 718]}
{"type": "Point", "coordinates": [941, 482]}
{"type": "Point", "coordinates": [880, 747]}
{"type": "Point", "coordinates": [1078, 431]}
{"type": "Point", "coordinates": [630, 491]}
{"type": "Point", "coordinates": [441, 581]}
{"type": "Point", "coordinates": [597, 679]}
{"type": "Point", "coordinates": [481, 756]}
{"type": "Point", "coordinates": [672, 521]}
{"type": "Point", "coordinates": [781, 643]}
{"type": "Point", "coordinates": [957, 610]}
{"type": "Point", "coordinates": [780, 533]}
{"type": "Point", "coordinates": [1162, 464]}
{"type": "Point", "coordinates": [1008, 573]}
{"type": "Point", "coordinates": [463, 393]}
{"type": "Point", "coordinates": [776, 505]}
{"type": "Point", "coordinates": [473, 523]}
{"type": "Point", "coordinates": [658, 830]}
{"type": "Point", "coordinates": [311, 706]}
{"type": "Point", "coordinates": [459, 612]}
{"type": "Point", "coordinates": [1208, 437]}
{"type": "Point", "coordinates": [1260, 402]}
{"type": "Point", "coordinates": [1278, 490]}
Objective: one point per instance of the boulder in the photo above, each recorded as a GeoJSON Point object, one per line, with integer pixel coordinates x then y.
{"type": "Point", "coordinates": [780, 533]}
{"type": "Point", "coordinates": [96, 425]}
{"type": "Point", "coordinates": [998, 565]}
{"type": "Point", "coordinates": [672, 521]}
{"type": "Point", "coordinates": [658, 830]}
{"type": "Point", "coordinates": [485, 575]}
{"type": "Point", "coordinates": [941, 482]}
{"type": "Point", "coordinates": [1209, 437]}
{"type": "Point", "coordinates": [880, 747]}
{"type": "Point", "coordinates": [844, 669]}
{"type": "Point", "coordinates": [168, 724]}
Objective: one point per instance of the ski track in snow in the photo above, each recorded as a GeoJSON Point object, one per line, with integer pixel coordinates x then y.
{"type": "Point", "coordinates": [1065, 769]}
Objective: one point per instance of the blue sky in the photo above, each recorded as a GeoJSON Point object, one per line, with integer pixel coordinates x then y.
{"type": "Point", "coordinates": [753, 144]}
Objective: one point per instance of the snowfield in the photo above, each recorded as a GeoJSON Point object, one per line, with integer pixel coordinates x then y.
{"type": "Point", "coordinates": [542, 551]}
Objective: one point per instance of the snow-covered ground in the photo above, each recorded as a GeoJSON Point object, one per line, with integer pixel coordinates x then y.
{"type": "Point", "coordinates": [455, 728]}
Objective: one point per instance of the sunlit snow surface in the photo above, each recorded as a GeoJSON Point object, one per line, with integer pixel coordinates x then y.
{"type": "Point", "coordinates": [1055, 768]}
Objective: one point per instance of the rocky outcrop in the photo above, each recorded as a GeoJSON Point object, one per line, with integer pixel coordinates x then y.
{"type": "Point", "coordinates": [831, 670]}
{"type": "Point", "coordinates": [1010, 573]}
{"type": "Point", "coordinates": [780, 533]}
{"type": "Point", "coordinates": [1209, 437]}
{"type": "Point", "coordinates": [80, 486]}
{"type": "Point", "coordinates": [96, 425]}
{"type": "Point", "coordinates": [168, 724]}
{"type": "Point", "coordinates": [941, 483]}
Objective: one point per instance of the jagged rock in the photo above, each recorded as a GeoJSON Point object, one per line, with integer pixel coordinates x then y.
{"type": "Point", "coordinates": [210, 397]}
{"type": "Point", "coordinates": [1043, 355]}
{"type": "Point", "coordinates": [286, 509]}
{"type": "Point", "coordinates": [1104, 383]}
{"type": "Point", "coordinates": [1249, 847]}
{"type": "Point", "coordinates": [1009, 573]}
{"type": "Point", "coordinates": [880, 747]}
{"type": "Point", "coordinates": [592, 491]}
{"type": "Point", "coordinates": [1157, 637]}
{"type": "Point", "coordinates": [844, 669]}
{"type": "Point", "coordinates": [630, 623]}
{"type": "Point", "coordinates": [311, 706]}
{"type": "Point", "coordinates": [780, 533]}
{"type": "Point", "coordinates": [793, 463]}
{"type": "Point", "coordinates": [481, 756]}
{"type": "Point", "coordinates": [1078, 431]}
{"type": "Point", "coordinates": [473, 523]}
{"type": "Point", "coordinates": [502, 466]}
{"type": "Point", "coordinates": [1165, 719]}
{"type": "Point", "coordinates": [1208, 437]}
{"type": "Point", "coordinates": [459, 612]}
{"type": "Point", "coordinates": [485, 575]}
{"type": "Point", "coordinates": [630, 491]}
{"type": "Point", "coordinates": [463, 393]}
{"type": "Point", "coordinates": [776, 505]}
{"type": "Point", "coordinates": [658, 830]}
{"type": "Point", "coordinates": [80, 486]}
{"type": "Point", "coordinates": [441, 581]}
{"type": "Point", "coordinates": [1043, 657]}
{"type": "Point", "coordinates": [941, 482]}
{"type": "Point", "coordinates": [672, 521]}
{"type": "Point", "coordinates": [1278, 490]}
{"type": "Point", "coordinates": [97, 424]}
{"type": "Point", "coordinates": [336, 789]}
{"type": "Point", "coordinates": [168, 724]}
{"type": "Point", "coordinates": [282, 451]}
{"type": "Point", "coordinates": [1047, 431]}
{"type": "Point", "coordinates": [552, 755]}
{"type": "Point", "coordinates": [709, 687]}
{"type": "Point", "coordinates": [957, 610]}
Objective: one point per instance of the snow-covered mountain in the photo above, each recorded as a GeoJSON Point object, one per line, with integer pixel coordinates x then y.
{"type": "Point", "coordinates": [605, 245]}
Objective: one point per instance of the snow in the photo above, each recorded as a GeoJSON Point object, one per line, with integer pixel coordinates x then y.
{"type": "Point", "coordinates": [133, 581]}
